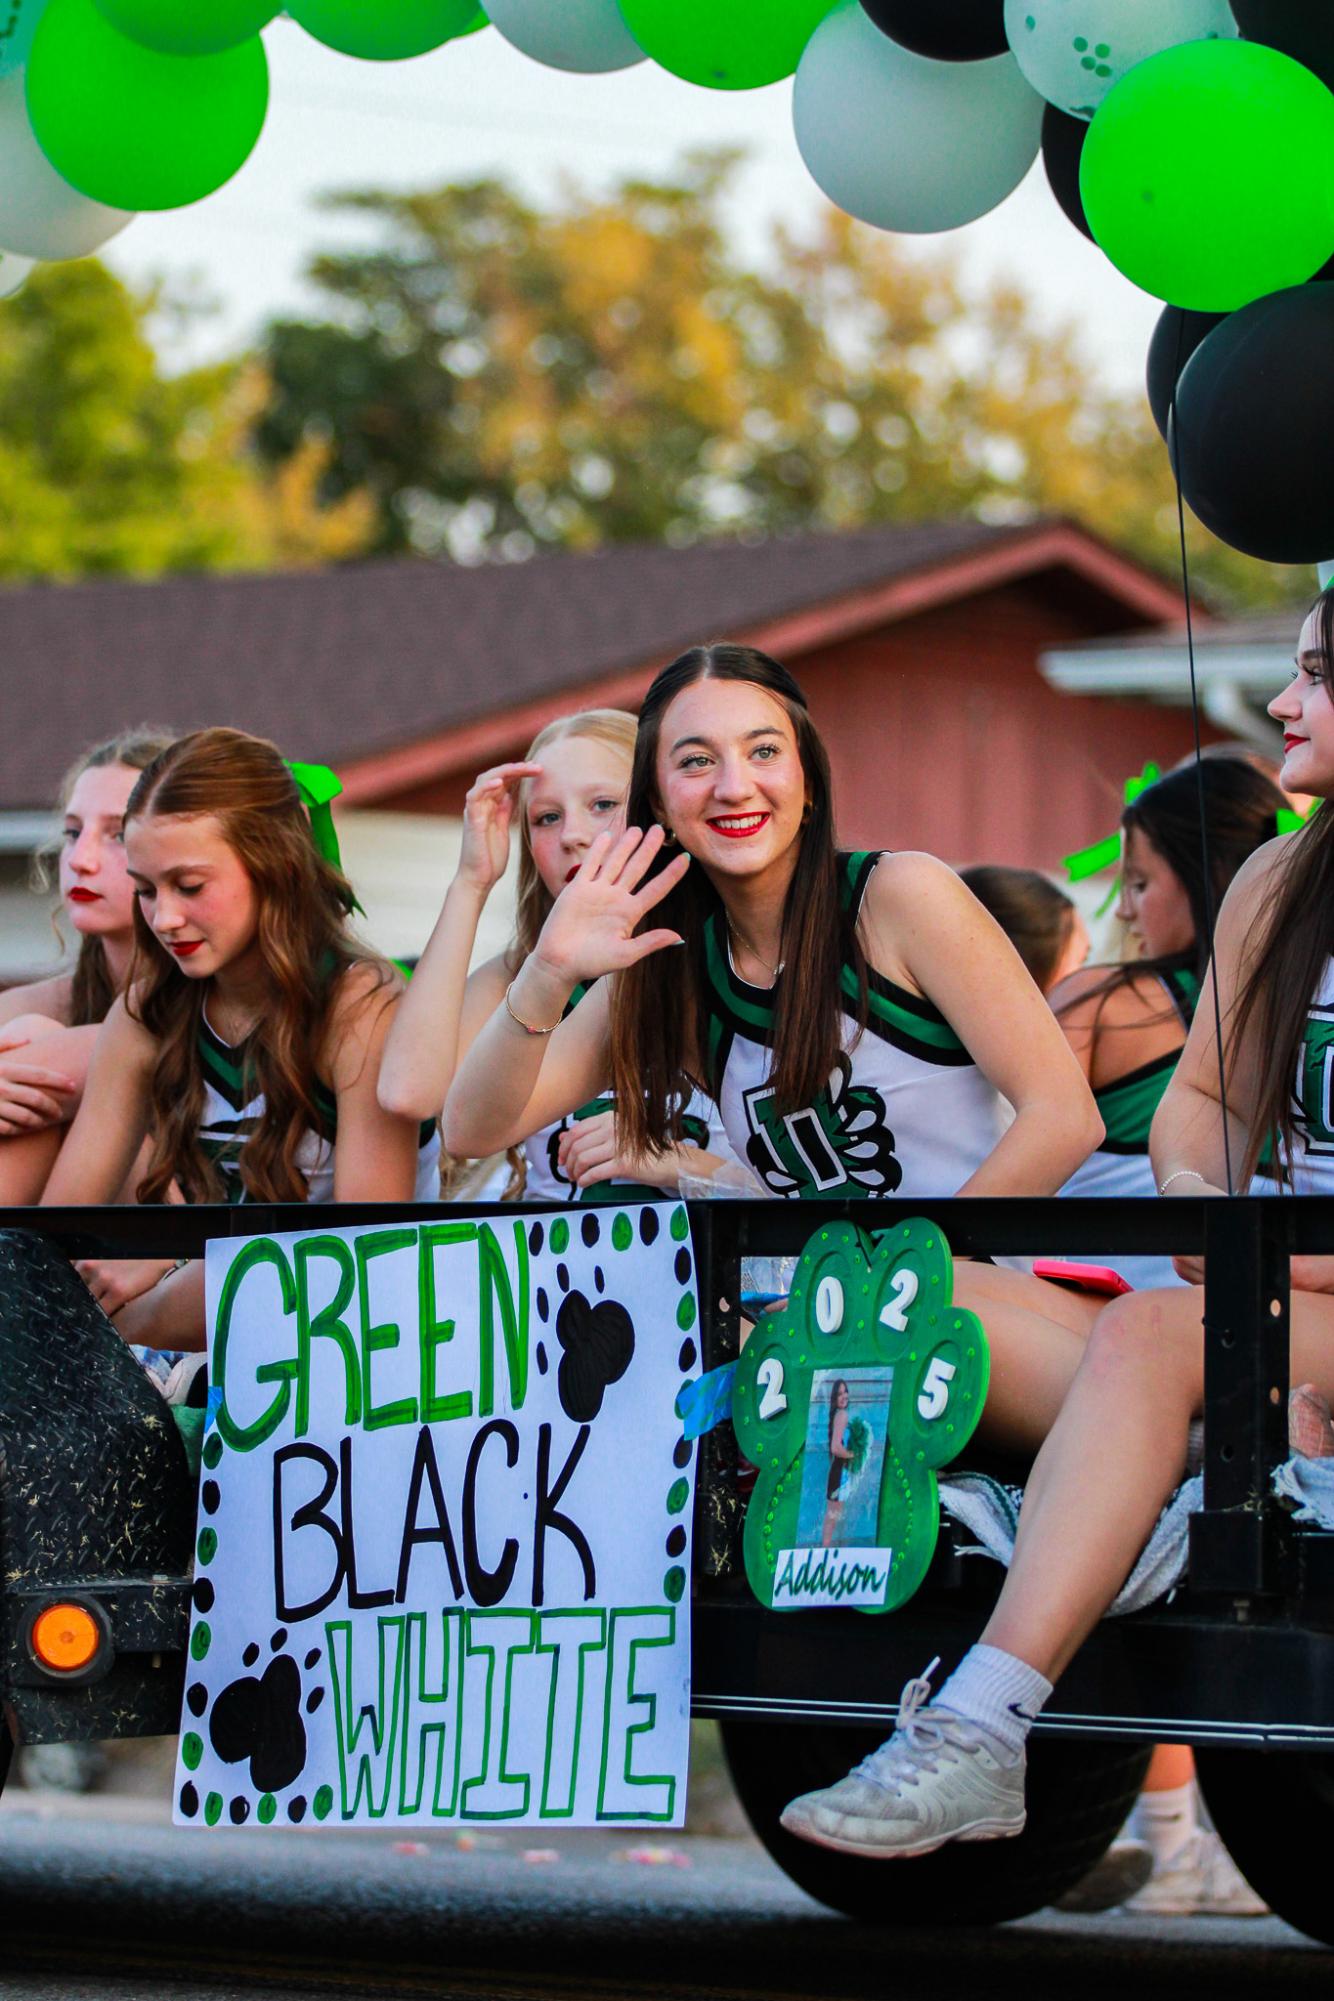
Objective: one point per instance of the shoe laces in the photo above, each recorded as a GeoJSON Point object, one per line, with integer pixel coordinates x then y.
{"type": "Point", "coordinates": [922, 1738]}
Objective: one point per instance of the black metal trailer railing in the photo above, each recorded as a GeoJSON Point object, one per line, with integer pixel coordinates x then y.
{"type": "Point", "coordinates": [1244, 1656]}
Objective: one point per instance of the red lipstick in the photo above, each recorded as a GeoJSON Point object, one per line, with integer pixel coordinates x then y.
{"type": "Point", "coordinates": [80, 895]}
{"type": "Point", "coordinates": [184, 951]}
{"type": "Point", "coordinates": [756, 823]}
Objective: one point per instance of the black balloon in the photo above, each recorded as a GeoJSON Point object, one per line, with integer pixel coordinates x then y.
{"type": "Point", "coordinates": [1254, 430]}
{"type": "Point", "coordinates": [950, 31]}
{"type": "Point", "coordinates": [1062, 146]}
{"type": "Point", "coordinates": [1300, 28]}
{"type": "Point", "coordinates": [1175, 339]}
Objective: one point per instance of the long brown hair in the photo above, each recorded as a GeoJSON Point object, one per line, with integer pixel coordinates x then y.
{"type": "Point", "coordinates": [658, 1020]}
{"type": "Point", "coordinates": [1036, 916]}
{"type": "Point", "coordinates": [1287, 958]}
{"type": "Point", "coordinates": [532, 905]}
{"type": "Point", "coordinates": [302, 902]}
{"type": "Point", "coordinates": [92, 988]}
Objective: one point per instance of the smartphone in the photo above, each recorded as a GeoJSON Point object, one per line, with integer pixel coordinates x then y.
{"type": "Point", "coordinates": [1088, 1278]}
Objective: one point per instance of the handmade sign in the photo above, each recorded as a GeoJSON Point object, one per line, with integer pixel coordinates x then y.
{"type": "Point", "coordinates": [848, 1402]}
{"type": "Point", "coordinates": [444, 1537]}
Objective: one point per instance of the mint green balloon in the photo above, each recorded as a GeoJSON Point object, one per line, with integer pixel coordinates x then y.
{"type": "Point", "coordinates": [189, 27]}
{"type": "Point", "coordinates": [385, 30]}
{"type": "Point", "coordinates": [1208, 174]}
{"type": "Point", "coordinates": [135, 129]}
{"type": "Point", "coordinates": [725, 44]}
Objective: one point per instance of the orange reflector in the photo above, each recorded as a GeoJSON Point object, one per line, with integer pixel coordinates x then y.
{"type": "Point", "coordinates": [65, 1637]}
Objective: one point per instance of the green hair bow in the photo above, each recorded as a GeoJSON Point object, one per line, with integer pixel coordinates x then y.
{"type": "Point", "coordinates": [1107, 853]}
{"type": "Point", "coordinates": [319, 787]}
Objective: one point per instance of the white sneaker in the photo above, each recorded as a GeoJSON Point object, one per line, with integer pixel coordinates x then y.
{"type": "Point", "coordinates": [937, 1779]}
{"type": "Point", "coordinates": [1201, 1881]}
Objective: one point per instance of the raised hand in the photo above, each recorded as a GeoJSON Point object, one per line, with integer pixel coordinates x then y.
{"type": "Point", "coordinates": [488, 811]}
{"type": "Point", "coordinates": [593, 925]}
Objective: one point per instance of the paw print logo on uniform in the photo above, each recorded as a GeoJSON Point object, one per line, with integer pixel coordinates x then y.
{"type": "Point", "coordinates": [848, 1402]}
{"type": "Point", "coordinates": [840, 1144]}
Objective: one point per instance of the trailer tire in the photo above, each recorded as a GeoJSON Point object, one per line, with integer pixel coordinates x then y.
{"type": "Point", "coordinates": [1274, 1812]}
{"type": "Point", "coordinates": [1079, 1793]}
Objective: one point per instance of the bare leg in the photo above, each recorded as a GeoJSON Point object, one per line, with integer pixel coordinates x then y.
{"type": "Point", "coordinates": [1310, 1429]}
{"type": "Point", "coordinates": [26, 1160]}
{"type": "Point", "coordinates": [1034, 1356]}
{"type": "Point", "coordinates": [1112, 1460]}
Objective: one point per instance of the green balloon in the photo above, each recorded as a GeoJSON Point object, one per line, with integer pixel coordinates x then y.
{"type": "Point", "coordinates": [725, 44]}
{"type": "Point", "coordinates": [135, 129]}
{"type": "Point", "coordinates": [1208, 174]}
{"type": "Point", "coordinates": [385, 30]}
{"type": "Point", "coordinates": [480, 19]}
{"type": "Point", "coordinates": [189, 27]}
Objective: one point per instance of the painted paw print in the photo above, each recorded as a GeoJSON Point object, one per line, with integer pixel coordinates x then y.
{"type": "Point", "coordinates": [867, 1383]}
{"type": "Point", "coordinates": [597, 1342]}
{"type": "Point", "coordinates": [259, 1719]}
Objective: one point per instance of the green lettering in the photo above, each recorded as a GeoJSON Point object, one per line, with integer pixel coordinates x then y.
{"type": "Point", "coordinates": [245, 1437]}
{"type": "Point", "coordinates": [494, 1282]}
{"type": "Point", "coordinates": [377, 1417]}
{"type": "Point", "coordinates": [328, 1323]}
{"type": "Point", "coordinates": [432, 1331]}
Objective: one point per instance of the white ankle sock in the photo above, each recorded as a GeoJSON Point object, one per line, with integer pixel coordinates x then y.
{"type": "Point", "coordinates": [1166, 1820]}
{"type": "Point", "coordinates": [998, 1692]}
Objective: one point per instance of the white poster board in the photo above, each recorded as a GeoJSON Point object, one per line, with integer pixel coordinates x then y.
{"type": "Point", "coordinates": [443, 1557]}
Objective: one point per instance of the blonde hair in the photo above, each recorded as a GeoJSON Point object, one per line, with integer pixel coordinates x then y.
{"type": "Point", "coordinates": [614, 727]}
{"type": "Point", "coordinates": [617, 729]}
{"type": "Point", "coordinates": [92, 988]}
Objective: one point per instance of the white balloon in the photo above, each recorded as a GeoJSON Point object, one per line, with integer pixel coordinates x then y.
{"type": "Point", "coordinates": [583, 35]}
{"type": "Point", "coordinates": [18, 24]}
{"type": "Point", "coordinates": [903, 142]}
{"type": "Point", "coordinates": [1073, 51]}
{"type": "Point", "coordinates": [14, 273]}
{"type": "Point", "coordinates": [41, 215]}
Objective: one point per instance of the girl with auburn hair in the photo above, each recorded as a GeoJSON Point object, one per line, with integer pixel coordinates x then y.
{"type": "Point", "coordinates": [247, 1045]}
{"type": "Point", "coordinates": [570, 787]}
{"type": "Point", "coordinates": [955, 1768]}
{"type": "Point", "coordinates": [857, 1017]}
{"type": "Point", "coordinates": [48, 1027]}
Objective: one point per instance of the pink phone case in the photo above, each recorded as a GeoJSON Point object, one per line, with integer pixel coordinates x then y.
{"type": "Point", "coordinates": [1089, 1278]}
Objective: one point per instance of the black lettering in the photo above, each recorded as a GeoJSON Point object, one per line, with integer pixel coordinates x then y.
{"type": "Point", "coordinates": [546, 1515]}
{"type": "Point", "coordinates": [487, 1587]}
{"type": "Point", "coordinates": [310, 1515]}
{"type": "Point", "coordinates": [426, 1472]}
{"type": "Point", "coordinates": [358, 1600]}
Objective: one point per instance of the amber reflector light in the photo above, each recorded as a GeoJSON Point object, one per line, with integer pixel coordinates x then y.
{"type": "Point", "coordinates": [65, 1637]}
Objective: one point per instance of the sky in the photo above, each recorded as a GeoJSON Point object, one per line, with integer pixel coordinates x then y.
{"type": "Point", "coordinates": [478, 107]}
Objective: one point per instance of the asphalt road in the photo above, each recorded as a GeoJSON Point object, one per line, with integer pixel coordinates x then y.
{"type": "Point", "coordinates": [102, 1899]}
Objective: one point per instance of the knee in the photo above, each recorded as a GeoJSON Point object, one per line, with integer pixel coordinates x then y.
{"type": "Point", "coordinates": [1145, 1334]}
{"type": "Point", "coordinates": [29, 1028]}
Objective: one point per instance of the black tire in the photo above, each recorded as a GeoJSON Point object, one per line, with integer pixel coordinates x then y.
{"type": "Point", "coordinates": [1079, 1792]}
{"type": "Point", "coordinates": [1274, 1811]}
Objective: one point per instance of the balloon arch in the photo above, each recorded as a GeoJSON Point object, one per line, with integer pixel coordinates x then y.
{"type": "Point", "coordinates": [1192, 140]}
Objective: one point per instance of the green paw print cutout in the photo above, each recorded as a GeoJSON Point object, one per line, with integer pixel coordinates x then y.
{"type": "Point", "coordinates": [848, 1402]}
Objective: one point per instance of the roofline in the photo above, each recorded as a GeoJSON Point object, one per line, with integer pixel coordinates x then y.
{"type": "Point", "coordinates": [468, 746]}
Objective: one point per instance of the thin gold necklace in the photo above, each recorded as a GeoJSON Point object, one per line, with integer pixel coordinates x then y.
{"type": "Point", "coordinates": [735, 938]}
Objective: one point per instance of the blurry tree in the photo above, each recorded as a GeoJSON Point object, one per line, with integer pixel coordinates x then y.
{"type": "Point", "coordinates": [109, 464]}
{"type": "Point", "coordinates": [503, 379]}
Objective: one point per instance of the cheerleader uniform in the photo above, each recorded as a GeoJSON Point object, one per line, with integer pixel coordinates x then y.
{"type": "Point", "coordinates": [232, 1111]}
{"type": "Point", "coordinates": [906, 1111]}
{"type": "Point", "coordinates": [546, 1180]}
{"type": "Point", "coordinates": [1121, 1164]}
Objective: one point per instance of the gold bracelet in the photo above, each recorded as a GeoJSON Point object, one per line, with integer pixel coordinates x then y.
{"type": "Point", "coordinates": [526, 1026]}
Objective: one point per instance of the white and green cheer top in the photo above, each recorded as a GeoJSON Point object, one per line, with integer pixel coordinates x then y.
{"type": "Point", "coordinates": [232, 1110]}
{"type": "Point", "coordinates": [1121, 1164]}
{"type": "Point", "coordinates": [1312, 1164]}
{"type": "Point", "coordinates": [545, 1181]}
{"type": "Point", "coordinates": [907, 1112]}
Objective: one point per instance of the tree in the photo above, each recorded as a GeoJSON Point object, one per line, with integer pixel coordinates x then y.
{"type": "Point", "coordinates": [501, 379]}
{"type": "Point", "coordinates": [109, 464]}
